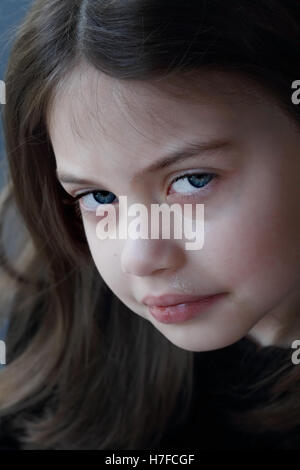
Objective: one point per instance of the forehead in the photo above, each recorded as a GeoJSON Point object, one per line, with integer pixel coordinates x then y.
{"type": "Point", "coordinates": [93, 111]}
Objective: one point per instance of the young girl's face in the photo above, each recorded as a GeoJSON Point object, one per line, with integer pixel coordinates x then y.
{"type": "Point", "coordinates": [106, 132]}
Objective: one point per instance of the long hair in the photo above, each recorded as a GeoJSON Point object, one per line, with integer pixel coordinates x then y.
{"type": "Point", "coordinates": [82, 371]}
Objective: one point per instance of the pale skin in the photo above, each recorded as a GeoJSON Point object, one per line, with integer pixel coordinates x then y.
{"type": "Point", "coordinates": [252, 228]}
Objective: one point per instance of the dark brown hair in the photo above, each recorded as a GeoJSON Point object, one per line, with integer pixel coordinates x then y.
{"type": "Point", "coordinates": [83, 372]}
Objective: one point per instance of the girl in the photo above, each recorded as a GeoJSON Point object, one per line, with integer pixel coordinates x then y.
{"type": "Point", "coordinates": [161, 102]}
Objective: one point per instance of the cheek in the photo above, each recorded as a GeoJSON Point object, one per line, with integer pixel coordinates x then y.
{"type": "Point", "coordinates": [105, 256]}
{"type": "Point", "coordinates": [254, 247]}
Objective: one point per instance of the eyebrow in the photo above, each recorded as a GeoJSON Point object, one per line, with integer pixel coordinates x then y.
{"type": "Point", "coordinates": [191, 150]}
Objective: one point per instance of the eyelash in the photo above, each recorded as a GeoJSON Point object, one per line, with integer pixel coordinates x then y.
{"type": "Point", "coordinates": [74, 201]}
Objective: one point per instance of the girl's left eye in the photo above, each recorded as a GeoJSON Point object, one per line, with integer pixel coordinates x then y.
{"type": "Point", "coordinates": [183, 183]}
{"type": "Point", "coordinates": [198, 181]}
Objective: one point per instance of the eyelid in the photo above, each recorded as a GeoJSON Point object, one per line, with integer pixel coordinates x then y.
{"type": "Point", "coordinates": [84, 193]}
{"type": "Point", "coordinates": [74, 199]}
{"type": "Point", "coordinates": [171, 181]}
{"type": "Point", "coordinates": [197, 192]}
{"type": "Point", "coordinates": [186, 173]}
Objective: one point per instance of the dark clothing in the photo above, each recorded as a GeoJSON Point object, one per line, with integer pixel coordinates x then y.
{"type": "Point", "coordinates": [8, 441]}
{"type": "Point", "coordinates": [221, 378]}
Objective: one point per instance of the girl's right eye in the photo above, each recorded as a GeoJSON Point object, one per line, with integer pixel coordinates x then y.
{"type": "Point", "coordinates": [92, 199]}
{"type": "Point", "coordinates": [97, 198]}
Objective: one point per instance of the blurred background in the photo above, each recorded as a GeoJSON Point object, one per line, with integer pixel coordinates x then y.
{"type": "Point", "coordinates": [11, 14]}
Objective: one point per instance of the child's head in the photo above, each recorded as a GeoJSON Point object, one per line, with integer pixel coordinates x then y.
{"type": "Point", "coordinates": [101, 90]}
{"type": "Point", "coordinates": [107, 132]}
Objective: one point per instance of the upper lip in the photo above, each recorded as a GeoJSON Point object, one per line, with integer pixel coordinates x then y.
{"type": "Point", "coordinates": [171, 299]}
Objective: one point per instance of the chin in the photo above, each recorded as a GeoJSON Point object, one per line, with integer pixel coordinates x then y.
{"type": "Point", "coordinates": [198, 346]}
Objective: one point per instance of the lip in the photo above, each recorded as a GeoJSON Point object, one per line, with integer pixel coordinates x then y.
{"type": "Point", "coordinates": [168, 300]}
{"type": "Point", "coordinates": [181, 311]}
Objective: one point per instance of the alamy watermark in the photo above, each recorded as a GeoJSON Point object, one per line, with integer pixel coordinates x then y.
{"type": "Point", "coordinates": [193, 226]}
{"type": "Point", "coordinates": [296, 93]}
{"type": "Point", "coordinates": [2, 352]}
{"type": "Point", "coordinates": [296, 354]}
{"type": "Point", "coordinates": [2, 92]}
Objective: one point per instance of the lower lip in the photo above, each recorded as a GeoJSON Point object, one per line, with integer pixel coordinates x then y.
{"type": "Point", "coordinates": [182, 312]}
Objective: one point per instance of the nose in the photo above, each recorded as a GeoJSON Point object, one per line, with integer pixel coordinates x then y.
{"type": "Point", "coordinates": [146, 253]}
{"type": "Point", "coordinates": [142, 257]}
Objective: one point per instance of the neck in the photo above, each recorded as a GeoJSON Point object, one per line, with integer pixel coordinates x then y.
{"type": "Point", "coordinates": [280, 326]}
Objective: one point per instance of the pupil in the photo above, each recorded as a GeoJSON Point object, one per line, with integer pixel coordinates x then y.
{"type": "Point", "coordinates": [195, 180]}
{"type": "Point", "coordinates": [108, 197]}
